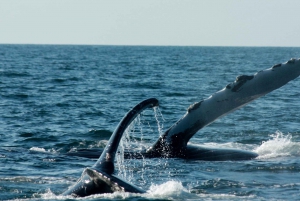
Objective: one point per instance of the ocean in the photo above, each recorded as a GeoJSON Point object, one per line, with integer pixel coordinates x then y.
{"type": "Point", "coordinates": [57, 99]}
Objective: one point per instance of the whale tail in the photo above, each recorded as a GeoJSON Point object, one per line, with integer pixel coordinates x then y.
{"type": "Point", "coordinates": [99, 178]}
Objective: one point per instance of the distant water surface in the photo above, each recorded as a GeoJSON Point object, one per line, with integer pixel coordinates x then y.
{"type": "Point", "coordinates": [56, 99]}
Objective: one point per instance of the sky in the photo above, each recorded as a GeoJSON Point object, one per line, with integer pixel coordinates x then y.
{"type": "Point", "coordinates": [151, 22]}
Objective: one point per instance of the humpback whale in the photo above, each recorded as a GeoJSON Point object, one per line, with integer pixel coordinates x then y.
{"type": "Point", "coordinates": [245, 89]}
{"type": "Point", "coordinates": [100, 178]}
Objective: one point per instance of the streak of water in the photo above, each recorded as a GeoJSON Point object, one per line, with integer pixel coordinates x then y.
{"type": "Point", "coordinates": [136, 139]}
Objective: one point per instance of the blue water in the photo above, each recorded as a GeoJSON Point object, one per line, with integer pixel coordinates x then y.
{"type": "Point", "coordinates": [58, 99]}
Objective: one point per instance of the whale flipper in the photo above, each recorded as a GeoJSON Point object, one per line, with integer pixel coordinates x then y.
{"type": "Point", "coordinates": [173, 143]}
{"type": "Point", "coordinates": [99, 178]}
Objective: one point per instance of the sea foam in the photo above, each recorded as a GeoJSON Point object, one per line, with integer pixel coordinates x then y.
{"type": "Point", "coordinates": [37, 149]}
{"type": "Point", "coordinates": [279, 145]}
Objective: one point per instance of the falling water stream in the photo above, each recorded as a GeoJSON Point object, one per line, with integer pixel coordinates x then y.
{"type": "Point", "coordinates": [136, 139]}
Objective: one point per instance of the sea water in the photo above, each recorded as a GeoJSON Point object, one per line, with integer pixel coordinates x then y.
{"type": "Point", "coordinates": [58, 99]}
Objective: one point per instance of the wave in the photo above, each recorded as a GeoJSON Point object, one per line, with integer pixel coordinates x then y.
{"type": "Point", "coordinates": [173, 190]}
{"type": "Point", "coordinates": [37, 149]}
{"type": "Point", "coordinates": [43, 150]}
{"type": "Point", "coordinates": [279, 145]}
{"type": "Point", "coordinates": [170, 190]}
{"type": "Point", "coordinates": [99, 134]}
{"type": "Point", "coordinates": [14, 73]}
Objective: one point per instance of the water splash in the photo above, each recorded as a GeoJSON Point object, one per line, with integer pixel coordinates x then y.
{"type": "Point", "coordinates": [169, 188]}
{"type": "Point", "coordinates": [159, 119]}
{"type": "Point", "coordinates": [138, 136]}
{"type": "Point", "coordinates": [279, 145]}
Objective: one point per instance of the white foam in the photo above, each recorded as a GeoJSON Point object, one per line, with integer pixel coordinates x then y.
{"type": "Point", "coordinates": [174, 190]}
{"type": "Point", "coordinates": [99, 144]}
{"type": "Point", "coordinates": [37, 149]}
{"type": "Point", "coordinates": [279, 145]}
{"type": "Point", "coordinates": [43, 150]}
{"type": "Point", "coordinates": [48, 195]}
{"type": "Point", "coordinates": [168, 188]}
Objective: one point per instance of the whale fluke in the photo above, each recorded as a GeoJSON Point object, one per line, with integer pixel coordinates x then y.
{"type": "Point", "coordinates": [99, 178]}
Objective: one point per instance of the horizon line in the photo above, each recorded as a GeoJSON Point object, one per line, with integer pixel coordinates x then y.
{"type": "Point", "coordinates": [145, 45]}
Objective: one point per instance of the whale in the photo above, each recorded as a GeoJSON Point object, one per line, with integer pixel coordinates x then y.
{"type": "Point", "coordinates": [100, 178]}
{"type": "Point", "coordinates": [173, 143]}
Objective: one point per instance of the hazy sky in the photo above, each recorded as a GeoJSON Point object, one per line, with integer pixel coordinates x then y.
{"type": "Point", "coordinates": [155, 22]}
